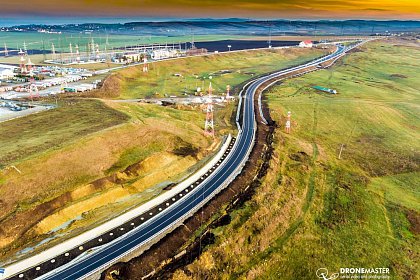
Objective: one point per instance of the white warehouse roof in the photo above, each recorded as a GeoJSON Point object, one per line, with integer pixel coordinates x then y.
{"type": "Point", "coordinates": [5, 66]}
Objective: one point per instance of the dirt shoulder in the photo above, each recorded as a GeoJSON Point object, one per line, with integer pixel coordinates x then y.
{"type": "Point", "coordinates": [186, 243]}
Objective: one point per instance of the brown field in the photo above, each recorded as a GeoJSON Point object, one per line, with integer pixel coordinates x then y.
{"type": "Point", "coordinates": [59, 185]}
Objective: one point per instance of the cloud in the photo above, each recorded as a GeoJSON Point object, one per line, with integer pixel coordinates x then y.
{"type": "Point", "coordinates": [376, 9]}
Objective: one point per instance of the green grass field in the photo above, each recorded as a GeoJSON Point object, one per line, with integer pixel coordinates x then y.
{"type": "Point", "coordinates": [224, 69]}
{"type": "Point", "coordinates": [315, 210]}
{"type": "Point", "coordinates": [41, 41]}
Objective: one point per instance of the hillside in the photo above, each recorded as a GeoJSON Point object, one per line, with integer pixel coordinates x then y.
{"type": "Point", "coordinates": [317, 208]}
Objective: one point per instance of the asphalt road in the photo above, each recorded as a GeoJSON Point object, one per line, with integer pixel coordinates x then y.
{"type": "Point", "coordinates": [89, 258]}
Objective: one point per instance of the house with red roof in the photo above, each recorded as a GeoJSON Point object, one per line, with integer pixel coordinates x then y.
{"type": "Point", "coordinates": [305, 44]}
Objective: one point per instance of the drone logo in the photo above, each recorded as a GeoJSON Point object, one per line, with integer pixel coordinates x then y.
{"type": "Point", "coordinates": [323, 274]}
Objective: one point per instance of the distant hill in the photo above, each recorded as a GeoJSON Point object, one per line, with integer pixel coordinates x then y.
{"type": "Point", "coordinates": [233, 26]}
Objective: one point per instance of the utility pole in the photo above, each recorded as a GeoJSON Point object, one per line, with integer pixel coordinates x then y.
{"type": "Point", "coordinates": [228, 97]}
{"type": "Point", "coordinates": [33, 88]}
{"type": "Point", "coordinates": [53, 51]}
{"type": "Point", "coordinates": [145, 64]}
{"type": "Point", "coordinates": [288, 122]}
{"type": "Point", "coordinates": [44, 56]}
{"type": "Point", "coordinates": [22, 62]}
{"type": "Point", "coordinates": [25, 49]}
{"type": "Point", "coordinates": [71, 52]}
{"type": "Point", "coordinates": [192, 40]}
{"type": "Point", "coordinates": [97, 56]}
{"type": "Point", "coordinates": [77, 53]}
{"type": "Point", "coordinates": [341, 150]}
{"type": "Point", "coordinates": [209, 125]}
{"type": "Point", "coordinates": [61, 50]}
{"type": "Point", "coordinates": [6, 52]}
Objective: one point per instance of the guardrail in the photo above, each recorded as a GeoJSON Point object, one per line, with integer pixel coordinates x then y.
{"type": "Point", "coordinates": [238, 170]}
{"type": "Point", "coordinates": [69, 244]}
{"type": "Point", "coordinates": [152, 240]}
{"type": "Point", "coordinates": [205, 170]}
{"type": "Point", "coordinates": [231, 177]}
{"type": "Point", "coordinates": [238, 110]}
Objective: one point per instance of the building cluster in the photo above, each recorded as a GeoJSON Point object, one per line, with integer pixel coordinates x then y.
{"type": "Point", "coordinates": [80, 87]}
{"type": "Point", "coordinates": [28, 70]}
{"type": "Point", "coordinates": [29, 77]}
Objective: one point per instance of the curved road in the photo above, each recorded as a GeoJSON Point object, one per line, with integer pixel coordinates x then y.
{"type": "Point", "coordinates": [173, 211]}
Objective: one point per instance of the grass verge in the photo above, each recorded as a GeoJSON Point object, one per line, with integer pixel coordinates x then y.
{"type": "Point", "coordinates": [315, 209]}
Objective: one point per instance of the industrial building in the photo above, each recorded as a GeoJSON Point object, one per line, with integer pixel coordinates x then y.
{"type": "Point", "coordinates": [165, 53]}
{"type": "Point", "coordinates": [128, 58]}
{"type": "Point", "coordinates": [196, 51]}
{"type": "Point", "coordinates": [7, 71]}
{"type": "Point", "coordinates": [95, 53]}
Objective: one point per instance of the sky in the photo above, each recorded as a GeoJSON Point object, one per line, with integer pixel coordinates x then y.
{"type": "Point", "coordinates": [293, 9]}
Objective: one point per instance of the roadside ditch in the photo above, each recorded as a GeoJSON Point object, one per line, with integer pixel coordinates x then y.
{"type": "Point", "coordinates": [187, 242]}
